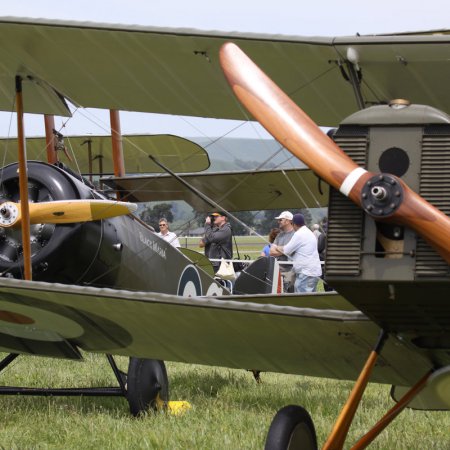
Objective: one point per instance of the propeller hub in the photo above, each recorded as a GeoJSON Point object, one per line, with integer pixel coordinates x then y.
{"type": "Point", "coordinates": [8, 214]}
{"type": "Point", "coordinates": [381, 195]}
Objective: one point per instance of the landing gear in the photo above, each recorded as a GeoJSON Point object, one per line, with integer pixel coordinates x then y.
{"type": "Point", "coordinates": [147, 385]}
{"type": "Point", "coordinates": [291, 428]}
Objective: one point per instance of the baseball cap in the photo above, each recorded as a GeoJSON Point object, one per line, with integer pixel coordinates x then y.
{"type": "Point", "coordinates": [298, 219]}
{"type": "Point", "coordinates": [285, 215]}
{"type": "Point", "coordinates": [220, 213]}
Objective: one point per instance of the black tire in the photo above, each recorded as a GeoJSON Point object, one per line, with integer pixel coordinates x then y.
{"type": "Point", "coordinates": [292, 428]}
{"type": "Point", "coordinates": [147, 383]}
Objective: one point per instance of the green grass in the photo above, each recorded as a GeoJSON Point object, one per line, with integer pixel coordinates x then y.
{"type": "Point", "coordinates": [247, 245]}
{"type": "Point", "coordinates": [229, 410]}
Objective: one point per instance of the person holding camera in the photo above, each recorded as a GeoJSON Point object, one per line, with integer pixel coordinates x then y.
{"type": "Point", "coordinates": [217, 240]}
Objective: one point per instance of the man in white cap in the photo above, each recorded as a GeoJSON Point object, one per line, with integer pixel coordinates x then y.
{"type": "Point", "coordinates": [283, 237]}
{"type": "Point", "coordinates": [303, 250]}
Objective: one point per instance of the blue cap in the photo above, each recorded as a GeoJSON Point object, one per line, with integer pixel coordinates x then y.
{"type": "Point", "coordinates": [298, 220]}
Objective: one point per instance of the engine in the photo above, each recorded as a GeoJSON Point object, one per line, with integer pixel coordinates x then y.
{"type": "Point", "coordinates": [60, 253]}
{"type": "Point", "coordinates": [383, 267]}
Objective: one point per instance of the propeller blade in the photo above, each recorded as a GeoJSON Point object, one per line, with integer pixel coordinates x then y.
{"type": "Point", "coordinates": [383, 196]}
{"type": "Point", "coordinates": [64, 211]}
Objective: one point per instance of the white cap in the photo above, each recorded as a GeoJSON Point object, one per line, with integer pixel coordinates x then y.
{"type": "Point", "coordinates": [285, 215]}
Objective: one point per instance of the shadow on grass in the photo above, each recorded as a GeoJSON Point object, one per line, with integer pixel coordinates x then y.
{"type": "Point", "coordinates": [198, 385]}
{"type": "Point", "coordinates": [239, 389]}
{"type": "Point", "coordinates": [21, 404]}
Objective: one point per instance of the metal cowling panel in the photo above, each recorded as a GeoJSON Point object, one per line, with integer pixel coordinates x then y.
{"type": "Point", "coordinates": [344, 236]}
{"type": "Point", "coordinates": [345, 219]}
{"type": "Point", "coordinates": [435, 188]}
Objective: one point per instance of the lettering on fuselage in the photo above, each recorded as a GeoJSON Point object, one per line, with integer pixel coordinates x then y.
{"type": "Point", "coordinates": [153, 245]}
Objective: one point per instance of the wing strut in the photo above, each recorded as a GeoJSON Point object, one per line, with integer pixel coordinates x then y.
{"type": "Point", "coordinates": [392, 413]}
{"type": "Point", "coordinates": [117, 148]}
{"type": "Point", "coordinates": [50, 138]}
{"type": "Point", "coordinates": [355, 81]}
{"type": "Point", "coordinates": [340, 429]}
{"type": "Point", "coordinates": [23, 182]}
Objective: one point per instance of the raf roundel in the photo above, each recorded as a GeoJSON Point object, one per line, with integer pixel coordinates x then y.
{"type": "Point", "coordinates": [190, 284]}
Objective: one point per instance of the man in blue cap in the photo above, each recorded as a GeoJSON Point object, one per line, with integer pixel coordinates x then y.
{"type": "Point", "coordinates": [302, 249]}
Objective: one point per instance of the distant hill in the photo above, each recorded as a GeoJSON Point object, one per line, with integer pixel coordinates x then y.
{"type": "Point", "coordinates": [246, 154]}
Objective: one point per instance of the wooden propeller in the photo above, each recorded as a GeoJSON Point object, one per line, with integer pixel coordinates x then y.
{"type": "Point", "coordinates": [64, 211]}
{"type": "Point", "coordinates": [383, 196]}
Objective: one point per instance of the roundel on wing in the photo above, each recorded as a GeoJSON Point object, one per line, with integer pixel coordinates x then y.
{"type": "Point", "coordinates": [190, 284]}
{"type": "Point", "coordinates": [30, 325]}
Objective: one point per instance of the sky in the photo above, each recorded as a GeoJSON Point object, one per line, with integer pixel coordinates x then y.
{"type": "Point", "coordinates": [291, 17]}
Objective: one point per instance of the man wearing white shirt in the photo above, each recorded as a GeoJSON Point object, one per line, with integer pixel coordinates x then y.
{"type": "Point", "coordinates": [302, 249]}
{"type": "Point", "coordinates": [166, 234]}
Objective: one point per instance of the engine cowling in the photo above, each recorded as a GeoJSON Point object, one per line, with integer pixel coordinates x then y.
{"type": "Point", "coordinates": [59, 253]}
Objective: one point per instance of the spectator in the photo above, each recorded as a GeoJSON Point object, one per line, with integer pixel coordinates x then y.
{"type": "Point", "coordinates": [283, 237]}
{"type": "Point", "coordinates": [322, 249]}
{"type": "Point", "coordinates": [316, 230]}
{"type": "Point", "coordinates": [166, 234]}
{"type": "Point", "coordinates": [303, 250]}
{"type": "Point", "coordinates": [272, 235]}
{"type": "Point", "coordinates": [218, 238]}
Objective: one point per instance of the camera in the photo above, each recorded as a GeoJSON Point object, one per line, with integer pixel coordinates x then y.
{"type": "Point", "coordinates": [212, 219]}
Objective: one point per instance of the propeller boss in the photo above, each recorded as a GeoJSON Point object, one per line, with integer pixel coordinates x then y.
{"type": "Point", "coordinates": [381, 195]}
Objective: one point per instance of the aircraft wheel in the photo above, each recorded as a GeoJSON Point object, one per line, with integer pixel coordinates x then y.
{"type": "Point", "coordinates": [291, 428]}
{"type": "Point", "coordinates": [147, 385]}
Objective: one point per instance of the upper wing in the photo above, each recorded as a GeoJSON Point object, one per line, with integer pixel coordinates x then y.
{"type": "Point", "coordinates": [176, 71]}
{"type": "Point", "coordinates": [93, 154]}
{"type": "Point", "coordinates": [270, 337]}
{"type": "Point", "coordinates": [234, 191]}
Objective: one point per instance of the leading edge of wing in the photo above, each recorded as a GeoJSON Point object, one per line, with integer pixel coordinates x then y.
{"type": "Point", "coordinates": [176, 71]}
{"type": "Point", "coordinates": [211, 331]}
{"type": "Point", "coordinates": [234, 191]}
{"type": "Point", "coordinates": [414, 34]}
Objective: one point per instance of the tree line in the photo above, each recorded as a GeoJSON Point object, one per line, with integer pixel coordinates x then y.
{"type": "Point", "coordinates": [260, 222]}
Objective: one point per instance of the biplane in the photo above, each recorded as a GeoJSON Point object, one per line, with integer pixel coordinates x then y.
{"type": "Point", "coordinates": [388, 260]}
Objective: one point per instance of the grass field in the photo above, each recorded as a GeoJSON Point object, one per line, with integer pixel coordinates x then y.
{"type": "Point", "coordinates": [247, 245]}
{"type": "Point", "coordinates": [229, 410]}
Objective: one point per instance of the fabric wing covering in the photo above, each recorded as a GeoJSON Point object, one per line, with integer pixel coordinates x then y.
{"type": "Point", "coordinates": [267, 336]}
{"type": "Point", "coordinates": [176, 71]}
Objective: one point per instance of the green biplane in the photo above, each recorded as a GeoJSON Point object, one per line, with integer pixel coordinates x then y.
{"type": "Point", "coordinates": [103, 284]}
